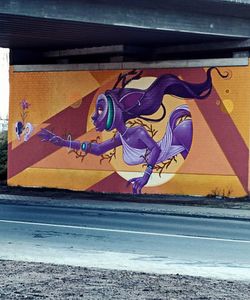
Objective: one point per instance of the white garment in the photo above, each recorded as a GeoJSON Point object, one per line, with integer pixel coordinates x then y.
{"type": "Point", "coordinates": [135, 156]}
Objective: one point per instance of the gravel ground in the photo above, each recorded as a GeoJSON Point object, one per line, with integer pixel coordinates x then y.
{"type": "Point", "coordinates": [26, 280]}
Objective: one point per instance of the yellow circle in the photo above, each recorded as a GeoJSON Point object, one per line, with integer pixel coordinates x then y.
{"type": "Point", "coordinates": [127, 171]}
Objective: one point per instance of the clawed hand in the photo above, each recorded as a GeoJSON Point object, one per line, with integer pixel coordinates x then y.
{"type": "Point", "coordinates": [49, 136]}
{"type": "Point", "coordinates": [138, 183]}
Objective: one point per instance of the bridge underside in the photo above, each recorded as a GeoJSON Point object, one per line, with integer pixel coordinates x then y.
{"type": "Point", "coordinates": [157, 27]}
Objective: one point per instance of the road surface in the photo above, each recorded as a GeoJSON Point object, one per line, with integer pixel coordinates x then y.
{"type": "Point", "coordinates": [164, 244]}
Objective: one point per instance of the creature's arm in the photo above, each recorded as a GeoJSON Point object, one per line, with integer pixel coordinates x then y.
{"type": "Point", "coordinates": [93, 148]}
{"type": "Point", "coordinates": [154, 149]}
{"type": "Point", "coordinates": [99, 149]}
{"type": "Point", "coordinates": [48, 136]}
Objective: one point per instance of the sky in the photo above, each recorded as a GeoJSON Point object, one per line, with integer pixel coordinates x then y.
{"type": "Point", "coordinates": [4, 82]}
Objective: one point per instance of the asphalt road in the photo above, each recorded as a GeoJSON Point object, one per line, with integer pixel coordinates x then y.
{"type": "Point", "coordinates": [135, 241]}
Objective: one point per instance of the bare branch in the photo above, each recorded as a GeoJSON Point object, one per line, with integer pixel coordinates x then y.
{"type": "Point", "coordinates": [164, 165]}
{"type": "Point", "coordinates": [109, 156]}
{"type": "Point", "coordinates": [149, 128]}
{"type": "Point", "coordinates": [78, 154]}
{"type": "Point", "coordinates": [123, 78]}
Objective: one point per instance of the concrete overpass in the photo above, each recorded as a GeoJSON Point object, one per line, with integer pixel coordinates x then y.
{"type": "Point", "coordinates": [49, 38]}
{"type": "Point", "coordinates": [146, 29]}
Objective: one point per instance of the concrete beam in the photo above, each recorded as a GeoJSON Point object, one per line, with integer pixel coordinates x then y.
{"type": "Point", "coordinates": [116, 49]}
{"type": "Point", "coordinates": [201, 47]}
{"type": "Point", "coordinates": [241, 54]}
{"type": "Point", "coordinates": [193, 16]}
{"type": "Point", "coordinates": [220, 62]}
{"type": "Point", "coordinates": [103, 50]}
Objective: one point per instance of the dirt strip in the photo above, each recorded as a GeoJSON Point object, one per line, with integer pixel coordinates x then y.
{"type": "Point", "coordinates": [27, 280]}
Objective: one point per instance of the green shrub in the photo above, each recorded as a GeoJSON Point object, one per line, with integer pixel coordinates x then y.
{"type": "Point", "coordinates": [3, 155]}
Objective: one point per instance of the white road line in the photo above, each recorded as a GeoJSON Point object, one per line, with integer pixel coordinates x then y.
{"type": "Point", "coordinates": [125, 231]}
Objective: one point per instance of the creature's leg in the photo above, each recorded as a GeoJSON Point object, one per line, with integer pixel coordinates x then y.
{"type": "Point", "coordinates": [182, 135]}
{"type": "Point", "coordinates": [184, 154]}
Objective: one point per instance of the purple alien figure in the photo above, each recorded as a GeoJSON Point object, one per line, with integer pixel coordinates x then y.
{"type": "Point", "coordinates": [118, 105]}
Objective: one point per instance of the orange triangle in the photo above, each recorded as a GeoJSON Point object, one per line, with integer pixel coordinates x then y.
{"type": "Point", "coordinates": [105, 76]}
{"type": "Point", "coordinates": [205, 156]}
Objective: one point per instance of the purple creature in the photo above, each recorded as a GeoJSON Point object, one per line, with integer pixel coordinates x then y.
{"type": "Point", "coordinates": [118, 105]}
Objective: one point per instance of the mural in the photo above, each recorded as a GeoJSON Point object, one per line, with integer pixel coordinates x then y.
{"type": "Point", "coordinates": [117, 106]}
{"type": "Point", "coordinates": [176, 131]}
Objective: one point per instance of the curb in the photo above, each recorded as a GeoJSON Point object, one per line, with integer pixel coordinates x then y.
{"type": "Point", "coordinates": [170, 209]}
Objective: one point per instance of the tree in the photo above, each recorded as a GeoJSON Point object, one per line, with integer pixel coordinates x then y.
{"type": "Point", "coordinates": [3, 155]}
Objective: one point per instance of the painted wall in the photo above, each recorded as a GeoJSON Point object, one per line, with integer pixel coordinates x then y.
{"type": "Point", "coordinates": [63, 102]}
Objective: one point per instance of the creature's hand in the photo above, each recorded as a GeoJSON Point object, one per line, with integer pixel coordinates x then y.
{"type": "Point", "coordinates": [49, 136]}
{"type": "Point", "coordinates": [139, 182]}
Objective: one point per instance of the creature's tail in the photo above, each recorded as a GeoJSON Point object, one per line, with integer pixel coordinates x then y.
{"type": "Point", "coordinates": [180, 112]}
{"type": "Point", "coordinates": [177, 138]}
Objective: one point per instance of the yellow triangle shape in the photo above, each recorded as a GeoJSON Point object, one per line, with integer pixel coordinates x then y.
{"type": "Point", "coordinates": [78, 180]}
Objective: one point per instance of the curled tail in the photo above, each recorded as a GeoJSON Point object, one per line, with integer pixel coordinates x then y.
{"type": "Point", "coordinates": [177, 138]}
{"type": "Point", "coordinates": [181, 126]}
{"type": "Point", "coordinates": [180, 112]}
